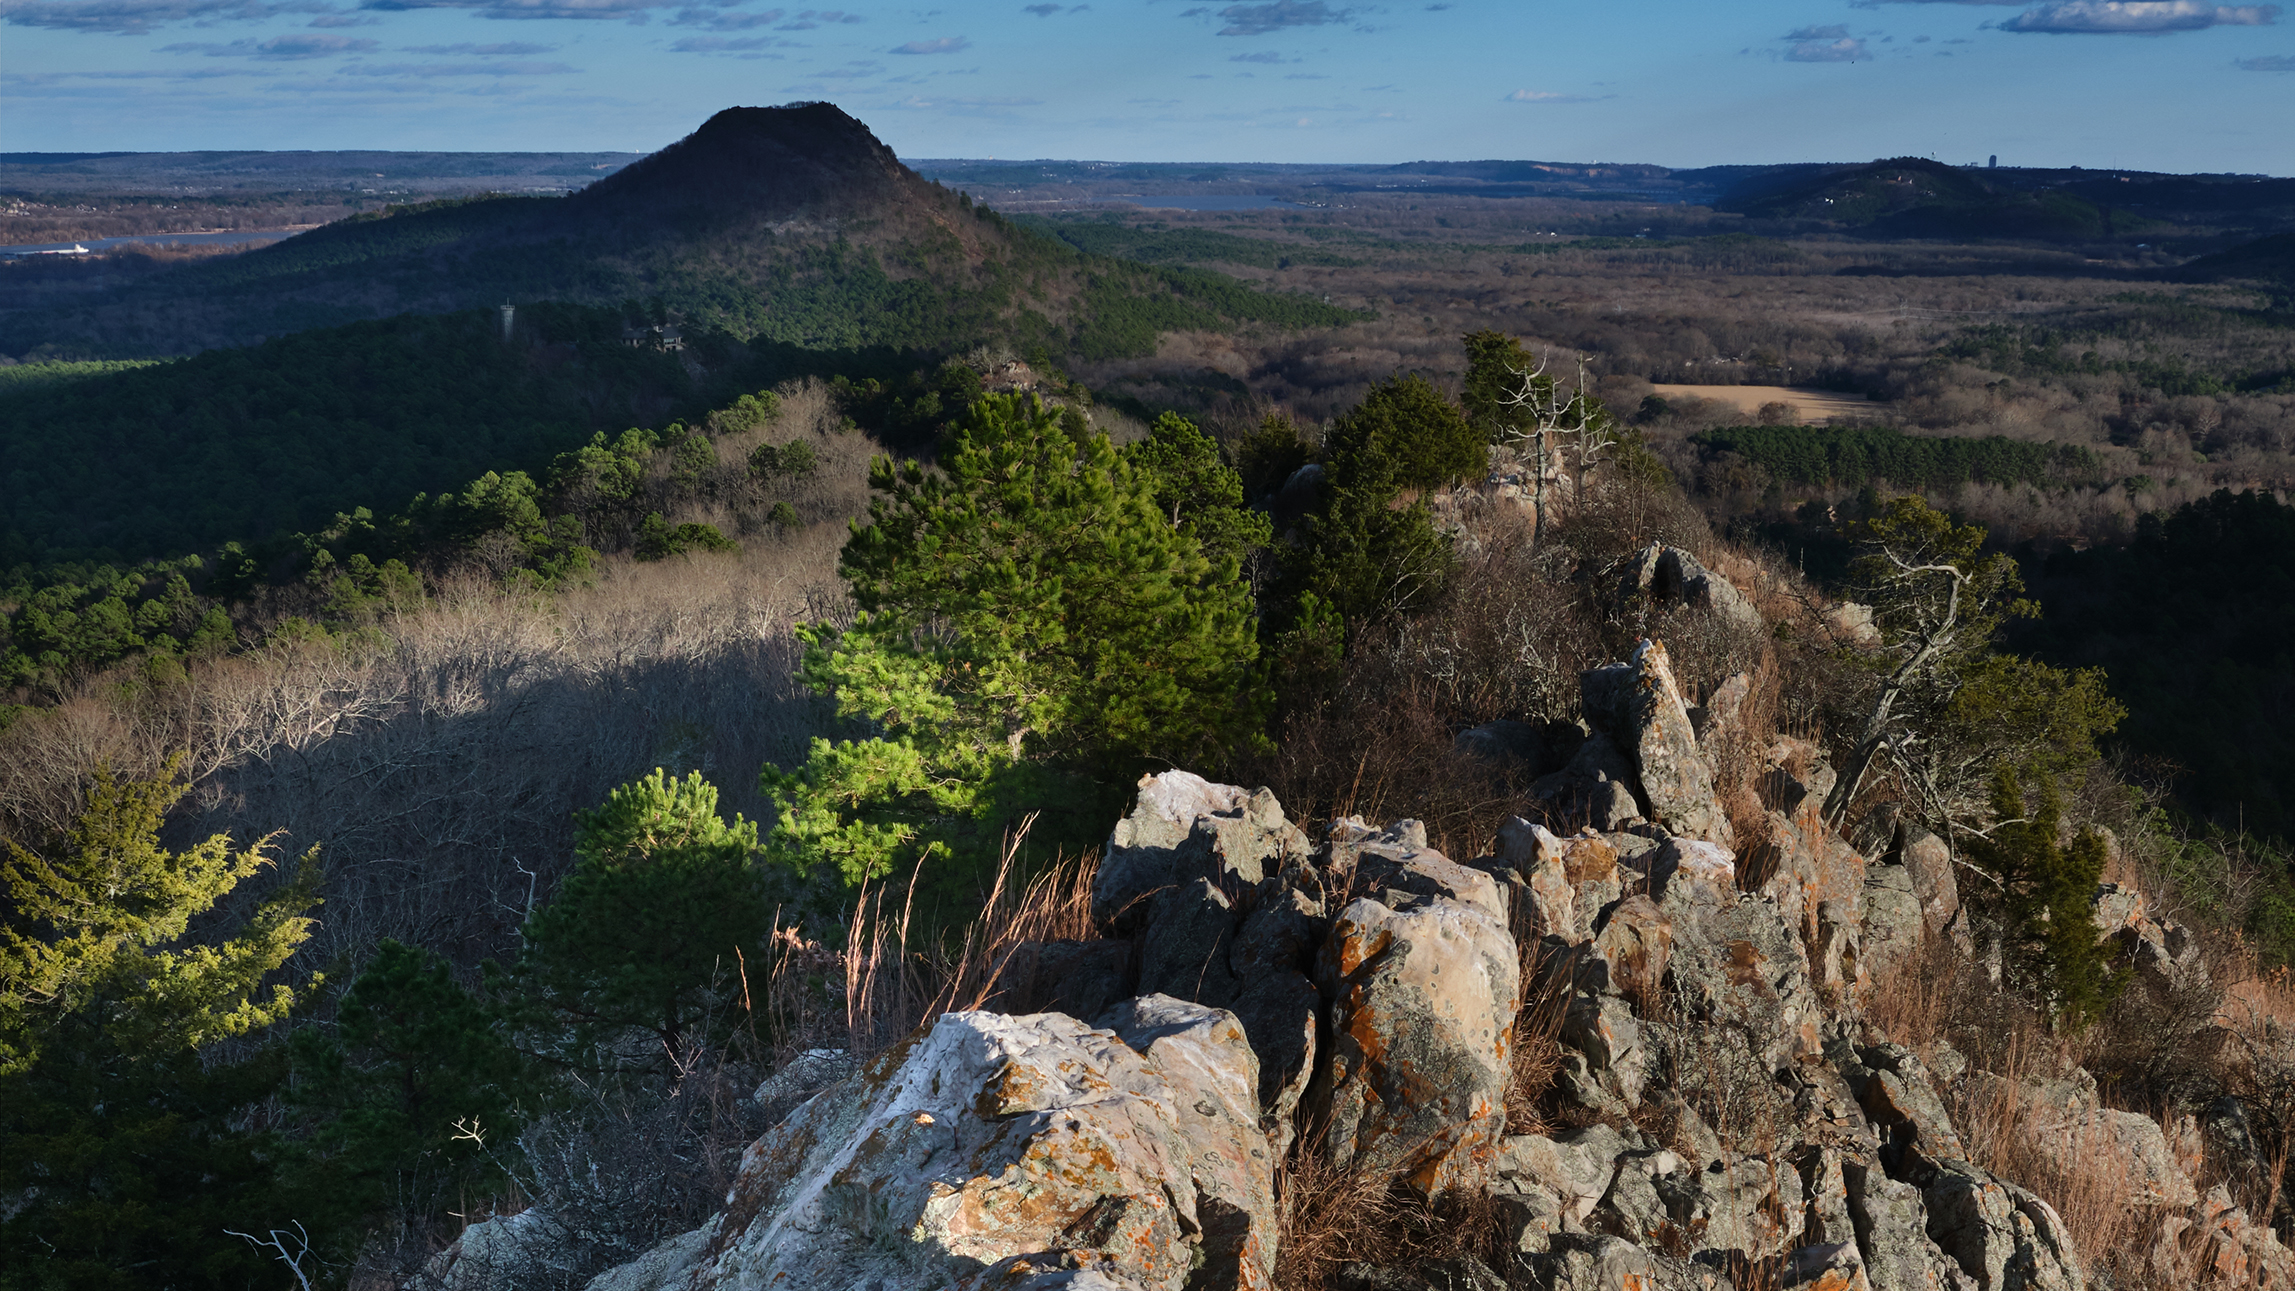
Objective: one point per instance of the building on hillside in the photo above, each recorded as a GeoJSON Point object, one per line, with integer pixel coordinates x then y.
{"type": "Point", "coordinates": [664, 336]}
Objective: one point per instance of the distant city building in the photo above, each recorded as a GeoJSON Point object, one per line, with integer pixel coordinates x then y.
{"type": "Point", "coordinates": [1994, 163]}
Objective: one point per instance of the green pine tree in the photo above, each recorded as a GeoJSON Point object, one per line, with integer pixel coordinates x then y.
{"type": "Point", "coordinates": [414, 1091]}
{"type": "Point", "coordinates": [1035, 626]}
{"type": "Point", "coordinates": [2048, 894]}
{"type": "Point", "coordinates": [650, 930]}
{"type": "Point", "coordinates": [125, 1142]}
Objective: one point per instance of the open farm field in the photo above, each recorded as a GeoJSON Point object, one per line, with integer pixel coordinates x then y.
{"type": "Point", "coordinates": [1805, 405]}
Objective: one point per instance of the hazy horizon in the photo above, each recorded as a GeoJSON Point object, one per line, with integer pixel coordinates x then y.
{"type": "Point", "coordinates": [2162, 85]}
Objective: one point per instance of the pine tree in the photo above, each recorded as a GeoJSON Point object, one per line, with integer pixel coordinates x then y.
{"type": "Point", "coordinates": [125, 1146]}
{"type": "Point", "coordinates": [412, 1089]}
{"type": "Point", "coordinates": [652, 926]}
{"type": "Point", "coordinates": [2048, 893]}
{"type": "Point", "coordinates": [1035, 625]}
{"type": "Point", "coordinates": [99, 927]}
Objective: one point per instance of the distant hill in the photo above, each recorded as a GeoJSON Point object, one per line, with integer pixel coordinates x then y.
{"type": "Point", "coordinates": [1915, 197]}
{"type": "Point", "coordinates": [790, 224]}
{"type": "Point", "coordinates": [2271, 259]}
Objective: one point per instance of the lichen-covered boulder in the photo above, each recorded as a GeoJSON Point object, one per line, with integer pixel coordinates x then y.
{"type": "Point", "coordinates": [1640, 706]}
{"type": "Point", "coordinates": [1183, 827]}
{"type": "Point", "coordinates": [1741, 969]}
{"type": "Point", "coordinates": [664, 1268]}
{"type": "Point", "coordinates": [2064, 1119]}
{"type": "Point", "coordinates": [1595, 786]}
{"type": "Point", "coordinates": [1898, 1096]}
{"type": "Point", "coordinates": [1671, 576]}
{"type": "Point", "coordinates": [1536, 860]}
{"type": "Point", "coordinates": [1635, 943]}
{"type": "Point", "coordinates": [998, 1151]}
{"type": "Point", "coordinates": [523, 1252]}
{"type": "Point", "coordinates": [1423, 985]}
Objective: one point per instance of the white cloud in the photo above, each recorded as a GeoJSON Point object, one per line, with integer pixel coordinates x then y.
{"type": "Point", "coordinates": [1260, 19]}
{"type": "Point", "coordinates": [430, 70]}
{"type": "Point", "coordinates": [2137, 17]}
{"type": "Point", "coordinates": [944, 45]}
{"type": "Point", "coordinates": [135, 17]}
{"type": "Point", "coordinates": [1543, 96]}
{"type": "Point", "coordinates": [278, 47]}
{"type": "Point", "coordinates": [1831, 44]}
{"type": "Point", "coordinates": [506, 49]}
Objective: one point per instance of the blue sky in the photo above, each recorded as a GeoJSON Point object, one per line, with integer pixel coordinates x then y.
{"type": "Point", "coordinates": [2154, 84]}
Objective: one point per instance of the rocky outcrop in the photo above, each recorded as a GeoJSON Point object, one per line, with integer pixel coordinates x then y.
{"type": "Point", "coordinates": [1005, 1151]}
{"type": "Point", "coordinates": [1423, 980]}
{"type": "Point", "coordinates": [1668, 576]}
{"type": "Point", "coordinates": [1639, 706]}
{"type": "Point", "coordinates": [1721, 1111]}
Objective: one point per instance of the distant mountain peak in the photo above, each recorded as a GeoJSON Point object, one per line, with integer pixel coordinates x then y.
{"type": "Point", "coordinates": [801, 160]}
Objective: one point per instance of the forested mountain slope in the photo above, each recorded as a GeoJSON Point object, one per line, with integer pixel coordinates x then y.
{"type": "Point", "coordinates": [794, 224]}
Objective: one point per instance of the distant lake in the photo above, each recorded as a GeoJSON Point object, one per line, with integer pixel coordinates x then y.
{"type": "Point", "coordinates": [233, 238]}
{"type": "Point", "coordinates": [1213, 202]}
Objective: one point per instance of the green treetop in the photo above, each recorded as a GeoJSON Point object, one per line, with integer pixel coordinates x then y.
{"type": "Point", "coordinates": [660, 909]}
{"type": "Point", "coordinates": [1033, 618]}
{"type": "Point", "coordinates": [2047, 892]}
{"type": "Point", "coordinates": [99, 927]}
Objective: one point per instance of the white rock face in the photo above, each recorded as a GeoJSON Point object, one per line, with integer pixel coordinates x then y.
{"type": "Point", "coordinates": [1017, 1151]}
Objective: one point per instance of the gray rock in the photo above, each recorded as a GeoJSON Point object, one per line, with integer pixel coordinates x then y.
{"type": "Point", "coordinates": [1891, 1224]}
{"type": "Point", "coordinates": [1528, 749]}
{"type": "Point", "coordinates": [1576, 1168]}
{"type": "Point", "coordinates": [528, 1251]}
{"type": "Point", "coordinates": [1464, 1273]}
{"type": "Point", "coordinates": [1539, 861]}
{"type": "Point", "coordinates": [1599, 1262]}
{"type": "Point", "coordinates": [1595, 786]}
{"type": "Point", "coordinates": [1184, 947]}
{"type": "Point", "coordinates": [1929, 863]}
{"type": "Point", "coordinates": [1825, 1197]}
{"type": "Point", "coordinates": [1423, 983]}
{"type": "Point", "coordinates": [2064, 1119]}
{"type": "Point", "coordinates": [1893, 920]}
{"type": "Point", "coordinates": [1203, 1052]}
{"type": "Point", "coordinates": [1181, 828]}
{"type": "Point", "coordinates": [1271, 956]}
{"type": "Point", "coordinates": [1635, 945]}
{"type": "Point", "coordinates": [664, 1268]}
{"type": "Point", "coordinates": [1893, 1087]}
{"type": "Point", "coordinates": [991, 1137]}
{"type": "Point", "coordinates": [1603, 1029]}
{"type": "Point", "coordinates": [1671, 576]}
{"type": "Point", "coordinates": [1644, 1200]}
{"type": "Point", "coordinates": [1529, 1215]}
{"type": "Point", "coordinates": [1827, 1266]}
{"type": "Point", "coordinates": [1640, 707]}
{"type": "Point", "coordinates": [804, 1073]}
{"type": "Point", "coordinates": [1749, 1205]}
{"type": "Point", "coordinates": [1742, 970]}
{"type": "Point", "coordinates": [1082, 979]}
{"type": "Point", "coordinates": [2003, 1237]}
